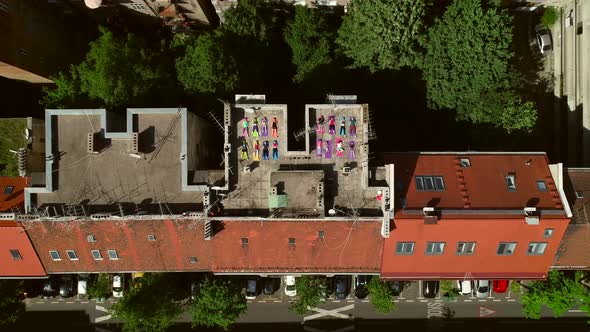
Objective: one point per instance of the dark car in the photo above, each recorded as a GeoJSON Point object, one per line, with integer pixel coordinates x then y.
{"type": "Point", "coordinates": [270, 285]}
{"type": "Point", "coordinates": [430, 288]}
{"type": "Point", "coordinates": [66, 286]}
{"type": "Point", "coordinates": [396, 287]}
{"type": "Point", "coordinates": [342, 286]}
{"type": "Point", "coordinates": [251, 289]}
{"type": "Point", "coordinates": [49, 289]}
{"type": "Point", "coordinates": [360, 288]}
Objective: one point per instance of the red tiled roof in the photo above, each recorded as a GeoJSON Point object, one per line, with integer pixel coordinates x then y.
{"type": "Point", "coordinates": [176, 241]}
{"type": "Point", "coordinates": [16, 197]}
{"type": "Point", "coordinates": [574, 251]}
{"type": "Point", "coordinates": [13, 237]}
{"type": "Point", "coordinates": [480, 186]}
{"type": "Point", "coordinates": [346, 246]}
{"type": "Point", "coordinates": [578, 181]}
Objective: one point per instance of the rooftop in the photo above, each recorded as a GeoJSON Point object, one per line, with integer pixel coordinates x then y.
{"type": "Point", "coordinates": [574, 250]}
{"type": "Point", "coordinates": [345, 173]}
{"type": "Point", "coordinates": [93, 169]}
{"type": "Point", "coordinates": [11, 192]}
{"type": "Point", "coordinates": [18, 257]}
{"type": "Point", "coordinates": [577, 188]}
{"type": "Point", "coordinates": [493, 181]}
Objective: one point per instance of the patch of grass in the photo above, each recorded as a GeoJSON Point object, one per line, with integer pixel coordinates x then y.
{"type": "Point", "coordinates": [550, 16]}
{"type": "Point", "coordinates": [12, 137]}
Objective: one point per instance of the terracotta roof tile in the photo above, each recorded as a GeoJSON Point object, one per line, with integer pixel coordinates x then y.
{"type": "Point", "coordinates": [16, 196]}
{"type": "Point", "coordinates": [15, 238]}
{"type": "Point", "coordinates": [574, 250]}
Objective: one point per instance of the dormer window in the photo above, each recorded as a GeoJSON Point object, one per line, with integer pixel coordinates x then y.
{"type": "Point", "coordinates": [511, 182]}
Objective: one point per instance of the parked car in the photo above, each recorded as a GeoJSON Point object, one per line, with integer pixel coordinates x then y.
{"type": "Point", "coordinates": [195, 287]}
{"type": "Point", "coordinates": [396, 287]}
{"type": "Point", "coordinates": [270, 285]}
{"type": "Point", "coordinates": [465, 286]}
{"type": "Point", "coordinates": [49, 289]}
{"type": "Point", "coordinates": [430, 288]}
{"type": "Point", "coordinates": [327, 287]}
{"type": "Point", "coordinates": [137, 279]}
{"type": "Point", "coordinates": [117, 285]}
{"type": "Point", "coordinates": [82, 284]}
{"type": "Point", "coordinates": [483, 288]}
{"type": "Point", "coordinates": [543, 38]}
{"type": "Point", "coordinates": [342, 286]}
{"type": "Point", "coordinates": [290, 289]}
{"type": "Point", "coordinates": [251, 289]}
{"type": "Point", "coordinates": [360, 287]}
{"type": "Point", "coordinates": [500, 286]}
{"type": "Point", "coordinates": [66, 286]}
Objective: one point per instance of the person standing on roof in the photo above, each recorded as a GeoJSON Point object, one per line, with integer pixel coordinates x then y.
{"type": "Point", "coordinates": [245, 128]}
{"type": "Point", "coordinates": [274, 128]}
{"type": "Point", "coordinates": [343, 126]}
{"type": "Point", "coordinates": [275, 150]}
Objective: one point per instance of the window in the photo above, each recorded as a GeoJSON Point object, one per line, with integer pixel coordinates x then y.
{"type": "Point", "coordinates": [506, 248]}
{"type": "Point", "coordinates": [244, 242]}
{"type": "Point", "coordinates": [91, 238]}
{"type": "Point", "coordinates": [96, 255]}
{"type": "Point", "coordinates": [430, 183]}
{"type": "Point", "coordinates": [137, 6]}
{"type": "Point", "coordinates": [72, 255]}
{"type": "Point", "coordinates": [151, 237]}
{"type": "Point", "coordinates": [511, 182]}
{"type": "Point", "coordinates": [8, 190]}
{"type": "Point", "coordinates": [579, 194]}
{"type": "Point", "coordinates": [537, 248]}
{"type": "Point", "coordinates": [404, 248]}
{"type": "Point", "coordinates": [54, 255]}
{"type": "Point", "coordinates": [291, 242]}
{"type": "Point", "coordinates": [193, 259]}
{"type": "Point", "coordinates": [113, 254]}
{"type": "Point", "coordinates": [548, 232]}
{"type": "Point", "coordinates": [16, 254]}
{"type": "Point", "coordinates": [435, 248]}
{"type": "Point", "coordinates": [465, 248]}
{"type": "Point", "coordinates": [541, 186]}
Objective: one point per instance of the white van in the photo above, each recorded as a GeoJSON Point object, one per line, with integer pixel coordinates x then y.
{"type": "Point", "coordinates": [83, 284]}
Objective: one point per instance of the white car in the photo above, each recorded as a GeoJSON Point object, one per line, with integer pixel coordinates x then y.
{"type": "Point", "coordinates": [483, 288]}
{"type": "Point", "coordinates": [117, 286]}
{"type": "Point", "coordinates": [82, 284]}
{"type": "Point", "coordinates": [290, 289]}
{"type": "Point", "coordinates": [465, 286]}
{"type": "Point", "coordinates": [543, 38]}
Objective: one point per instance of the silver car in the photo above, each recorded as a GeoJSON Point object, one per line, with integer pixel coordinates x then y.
{"type": "Point", "coordinates": [483, 288]}
{"type": "Point", "coordinates": [543, 38]}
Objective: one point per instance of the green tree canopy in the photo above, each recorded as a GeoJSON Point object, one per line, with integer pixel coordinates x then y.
{"type": "Point", "coordinates": [11, 304]}
{"type": "Point", "coordinates": [250, 19]}
{"type": "Point", "coordinates": [381, 295]}
{"type": "Point", "coordinates": [207, 66]}
{"type": "Point", "coordinates": [559, 293]}
{"type": "Point", "coordinates": [116, 72]}
{"type": "Point", "coordinates": [310, 41]}
{"type": "Point", "coordinates": [309, 294]}
{"type": "Point", "coordinates": [99, 288]}
{"type": "Point", "coordinates": [383, 34]}
{"type": "Point", "coordinates": [218, 303]}
{"type": "Point", "coordinates": [466, 66]}
{"type": "Point", "coordinates": [153, 307]}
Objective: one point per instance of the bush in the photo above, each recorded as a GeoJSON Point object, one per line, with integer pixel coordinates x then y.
{"type": "Point", "coordinates": [381, 295]}
{"type": "Point", "coordinates": [100, 288]}
{"type": "Point", "coordinates": [550, 16]}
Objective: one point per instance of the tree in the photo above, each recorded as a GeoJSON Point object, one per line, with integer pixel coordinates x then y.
{"type": "Point", "coordinates": [381, 295]}
{"type": "Point", "coordinates": [309, 294]}
{"type": "Point", "coordinates": [11, 304]}
{"type": "Point", "coordinates": [550, 16]}
{"type": "Point", "coordinates": [309, 38]}
{"type": "Point", "coordinates": [559, 293]}
{"type": "Point", "coordinates": [218, 303]}
{"type": "Point", "coordinates": [207, 66]}
{"type": "Point", "coordinates": [100, 287]}
{"type": "Point", "coordinates": [250, 19]}
{"type": "Point", "coordinates": [466, 66]}
{"type": "Point", "coordinates": [152, 307]}
{"type": "Point", "coordinates": [383, 34]}
{"type": "Point", "coordinates": [116, 72]}
{"type": "Point", "coordinates": [518, 115]}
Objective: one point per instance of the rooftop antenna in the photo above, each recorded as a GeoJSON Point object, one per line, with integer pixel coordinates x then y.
{"type": "Point", "coordinates": [214, 118]}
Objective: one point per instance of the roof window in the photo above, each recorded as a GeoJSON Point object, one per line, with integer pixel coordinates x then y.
{"type": "Point", "coordinates": [91, 238]}
{"type": "Point", "coordinates": [8, 190]}
{"type": "Point", "coordinates": [541, 186]}
{"type": "Point", "coordinates": [579, 194]}
{"type": "Point", "coordinates": [96, 255]}
{"type": "Point", "coordinates": [193, 259]}
{"type": "Point", "coordinates": [113, 254]}
{"type": "Point", "coordinates": [72, 255]}
{"type": "Point", "coordinates": [511, 182]}
{"type": "Point", "coordinates": [151, 237]}
{"type": "Point", "coordinates": [54, 255]}
{"type": "Point", "coordinates": [429, 183]}
{"type": "Point", "coordinates": [16, 254]}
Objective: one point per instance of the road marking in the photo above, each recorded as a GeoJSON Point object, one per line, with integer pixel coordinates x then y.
{"type": "Point", "coordinates": [438, 300]}
{"type": "Point", "coordinates": [336, 301]}
{"type": "Point", "coordinates": [100, 308]}
{"type": "Point", "coordinates": [485, 312]}
{"type": "Point", "coordinates": [85, 302]}
{"type": "Point", "coordinates": [277, 301]}
{"type": "Point", "coordinates": [423, 300]}
{"type": "Point", "coordinates": [395, 300]}
{"type": "Point", "coordinates": [409, 300]}
{"type": "Point", "coordinates": [482, 300]}
{"type": "Point", "coordinates": [333, 312]}
{"type": "Point", "coordinates": [575, 310]}
{"type": "Point", "coordinates": [102, 318]}
{"type": "Point", "coordinates": [70, 302]}
{"type": "Point", "coordinates": [350, 301]}
{"type": "Point", "coordinates": [497, 300]}
{"type": "Point", "coordinates": [54, 302]}
{"type": "Point", "coordinates": [510, 300]}
{"type": "Point", "coordinates": [368, 301]}
{"type": "Point", "coordinates": [262, 301]}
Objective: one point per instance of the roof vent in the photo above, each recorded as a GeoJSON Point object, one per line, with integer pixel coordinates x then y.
{"type": "Point", "coordinates": [321, 234]}
{"type": "Point", "coordinates": [151, 237]}
{"type": "Point", "coordinates": [465, 162]}
{"type": "Point", "coordinates": [430, 215]}
{"type": "Point", "coordinates": [91, 238]}
{"type": "Point", "coordinates": [292, 242]}
{"type": "Point", "coordinates": [531, 216]}
{"type": "Point", "coordinates": [244, 242]}
{"type": "Point", "coordinates": [428, 210]}
{"type": "Point", "coordinates": [193, 259]}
